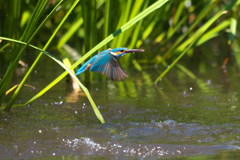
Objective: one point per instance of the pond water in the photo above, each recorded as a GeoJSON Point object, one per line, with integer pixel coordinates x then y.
{"type": "Point", "coordinates": [181, 117]}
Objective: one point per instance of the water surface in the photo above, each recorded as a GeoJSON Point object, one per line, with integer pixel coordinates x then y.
{"type": "Point", "coordinates": [180, 117]}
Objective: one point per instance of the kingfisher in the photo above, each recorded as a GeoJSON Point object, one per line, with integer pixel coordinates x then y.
{"type": "Point", "coordinates": [106, 63]}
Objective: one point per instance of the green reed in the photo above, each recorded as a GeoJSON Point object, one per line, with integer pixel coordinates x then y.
{"type": "Point", "coordinates": [16, 93]}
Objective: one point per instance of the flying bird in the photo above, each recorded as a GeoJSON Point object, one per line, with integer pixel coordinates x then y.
{"type": "Point", "coordinates": [106, 63]}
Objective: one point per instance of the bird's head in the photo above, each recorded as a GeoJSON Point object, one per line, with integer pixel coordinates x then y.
{"type": "Point", "coordinates": [118, 52]}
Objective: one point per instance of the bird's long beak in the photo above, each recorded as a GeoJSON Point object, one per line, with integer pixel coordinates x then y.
{"type": "Point", "coordinates": [133, 50]}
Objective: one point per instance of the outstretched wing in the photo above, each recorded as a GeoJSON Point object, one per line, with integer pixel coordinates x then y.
{"type": "Point", "coordinates": [107, 65]}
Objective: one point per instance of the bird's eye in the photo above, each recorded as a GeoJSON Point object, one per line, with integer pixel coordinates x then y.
{"type": "Point", "coordinates": [121, 50]}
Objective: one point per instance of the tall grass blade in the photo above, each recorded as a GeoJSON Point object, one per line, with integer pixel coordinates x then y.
{"type": "Point", "coordinates": [123, 19]}
{"type": "Point", "coordinates": [88, 20]}
{"type": "Point", "coordinates": [5, 82]}
{"type": "Point", "coordinates": [94, 24]}
{"type": "Point", "coordinates": [134, 11]}
{"type": "Point", "coordinates": [16, 93]}
{"type": "Point", "coordinates": [107, 18]}
{"type": "Point", "coordinates": [12, 31]}
{"type": "Point", "coordinates": [134, 39]}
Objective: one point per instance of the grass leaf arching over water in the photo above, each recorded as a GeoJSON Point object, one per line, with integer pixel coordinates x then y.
{"type": "Point", "coordinates": [96, 111]}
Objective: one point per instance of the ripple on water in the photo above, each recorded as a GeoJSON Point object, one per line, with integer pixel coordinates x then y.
{"type": "Point", "coordinates": [86, 145]}
{"type": "Point", "coordinates": [156, 137]}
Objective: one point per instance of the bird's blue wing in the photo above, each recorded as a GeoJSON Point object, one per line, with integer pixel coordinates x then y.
{"type": "Point", "coordinates": [106, 64]}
